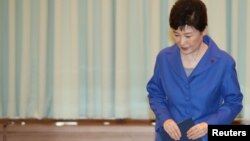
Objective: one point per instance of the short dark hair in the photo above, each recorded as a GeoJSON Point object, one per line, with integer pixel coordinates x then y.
{"type": "Point", "coordinates": [188, 12]}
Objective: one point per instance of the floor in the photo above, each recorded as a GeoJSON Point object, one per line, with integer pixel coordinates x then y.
{"type": "Point", "coordinates": [79, 130]}
{"type": "Point", "coordinates": [39, 132]}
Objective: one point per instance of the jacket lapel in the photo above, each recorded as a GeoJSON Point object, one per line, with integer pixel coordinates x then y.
{"type": "Point", "coordinates": [207, 61]}
{"type": "Point", "coordinates": [174, 60]}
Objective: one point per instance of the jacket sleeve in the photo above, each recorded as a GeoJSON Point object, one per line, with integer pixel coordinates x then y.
{"type": "Point", "coordinates": [156, 96]}
{"type": "Point", "coordinates": [232, 98]}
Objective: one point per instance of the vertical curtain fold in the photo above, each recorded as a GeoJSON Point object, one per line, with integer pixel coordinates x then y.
{"type": "Point", "coordinates": [49, 60]}
{"type": "Point", "coordinates": [4, 56]}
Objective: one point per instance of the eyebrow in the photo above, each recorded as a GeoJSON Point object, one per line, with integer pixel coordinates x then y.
{"type": "Point", "coordinates": [189, 33]}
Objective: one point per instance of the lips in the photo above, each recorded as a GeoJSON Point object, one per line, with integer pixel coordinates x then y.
{"type": "Point", "coordinates": [184, 48]}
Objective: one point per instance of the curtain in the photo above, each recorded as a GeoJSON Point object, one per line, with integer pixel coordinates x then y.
{"type": "Point", "coordinates": [76, 59]}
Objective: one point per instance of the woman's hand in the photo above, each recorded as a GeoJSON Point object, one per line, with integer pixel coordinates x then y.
{"type": "Point", "coordinates": [172, 129]}
{"type": "Point", "coordinates": [197, 131]}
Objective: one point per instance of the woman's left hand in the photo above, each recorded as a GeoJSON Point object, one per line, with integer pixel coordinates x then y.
{"type": "Point", "coordinates": [197, 131]}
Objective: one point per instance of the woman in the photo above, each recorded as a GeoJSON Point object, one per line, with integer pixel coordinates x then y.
{"type": "Point", "coordinates": [193, 78]}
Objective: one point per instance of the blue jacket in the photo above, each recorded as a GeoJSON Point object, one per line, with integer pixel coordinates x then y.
{"type": "Point", "coordinates": [211, 93]}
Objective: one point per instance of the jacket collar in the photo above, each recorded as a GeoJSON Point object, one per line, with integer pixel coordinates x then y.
{"type": "Point", "coordinates": [210, 58]}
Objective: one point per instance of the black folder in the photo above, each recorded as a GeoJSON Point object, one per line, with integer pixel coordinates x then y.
{"type": "Point", "coordinates": [184, 126]}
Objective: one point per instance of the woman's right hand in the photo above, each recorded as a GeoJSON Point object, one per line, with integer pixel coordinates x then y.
{"type": "Point", "coordinates": [171, 127]}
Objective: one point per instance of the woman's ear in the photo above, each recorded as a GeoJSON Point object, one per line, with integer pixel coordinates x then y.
{"type": "Point", "coordinates": [205, 31]}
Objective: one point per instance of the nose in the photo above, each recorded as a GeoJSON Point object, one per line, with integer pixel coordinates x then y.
{"type": "Point", "coordinates": [182, 41]}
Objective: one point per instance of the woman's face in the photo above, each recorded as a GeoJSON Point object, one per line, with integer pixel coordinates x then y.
{"type": "Point", "coordinates": [188, 39]}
